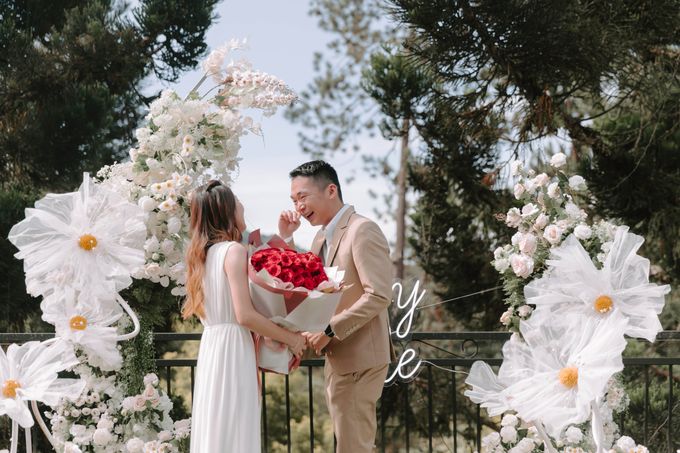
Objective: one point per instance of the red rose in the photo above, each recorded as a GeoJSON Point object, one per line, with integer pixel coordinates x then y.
{"type": "Point", "coordinates": [286, 275]}
{"type": "Point", "coordinates": [298, 280]}
{"type": "Point", "coordinates": [313, 265]}
{"type": "Point", "coordinates": [309, 283]}
{"type": "Point", "coordinates": [273, 269]}
{"type": "Point", "coordinates": [286, 260]}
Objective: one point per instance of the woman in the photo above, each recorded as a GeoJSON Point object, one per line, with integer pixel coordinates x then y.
{"type": "Point", "coordinates": [226, 409]}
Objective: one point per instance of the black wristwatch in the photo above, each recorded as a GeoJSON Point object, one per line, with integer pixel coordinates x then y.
{"type": "Point", "coordinates": [329, 331]}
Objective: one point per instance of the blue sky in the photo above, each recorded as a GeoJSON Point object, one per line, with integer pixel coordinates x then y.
{"type": "Point", "coordinates": [282, 40]}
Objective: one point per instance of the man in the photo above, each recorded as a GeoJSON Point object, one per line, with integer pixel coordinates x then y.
{"type": "Point", "coordinates": [356, 342]}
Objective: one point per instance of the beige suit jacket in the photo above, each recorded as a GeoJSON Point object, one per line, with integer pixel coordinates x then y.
{"type": "Point", "coordinates": [361, 323]}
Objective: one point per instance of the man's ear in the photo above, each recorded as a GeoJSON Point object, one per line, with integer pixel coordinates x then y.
{"type": "Point", "coordinates": [332, 190]}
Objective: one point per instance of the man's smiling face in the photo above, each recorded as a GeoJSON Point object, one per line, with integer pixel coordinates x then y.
{"type": "Point", "coordinates": [315, 203]}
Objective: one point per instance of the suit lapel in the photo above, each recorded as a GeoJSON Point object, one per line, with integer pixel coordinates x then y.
{"type": "Point", "coordinates": [339, 232]}
{"type": "Point", "coordinates": [317, 243]}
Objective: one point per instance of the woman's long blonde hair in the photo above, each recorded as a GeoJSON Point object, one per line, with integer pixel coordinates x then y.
{"type": "Point", "coordinates": [213, 220]}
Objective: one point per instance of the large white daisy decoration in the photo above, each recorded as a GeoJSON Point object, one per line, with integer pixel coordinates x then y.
{"type": "Point", "coordinates": [563, 367]}
{"type": "Point", "coordinates": [30, 373]}
{"type": "Point", "coordinates": [91, 239]}
{"type": "Point", "coordinates": [574, 284]}
{"type": "Point", "coordinates": [86, 323]}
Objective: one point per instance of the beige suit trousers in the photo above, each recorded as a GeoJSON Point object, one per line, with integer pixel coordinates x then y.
{"type": "Point", "coordinates": [351, 400]}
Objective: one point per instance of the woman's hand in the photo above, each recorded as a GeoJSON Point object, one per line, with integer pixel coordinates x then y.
{"type": "Point", "coordinates": [297, 344]}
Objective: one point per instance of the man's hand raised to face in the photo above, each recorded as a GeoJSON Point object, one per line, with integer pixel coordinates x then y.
{"type": "Point", "coordinates": [289, 222]}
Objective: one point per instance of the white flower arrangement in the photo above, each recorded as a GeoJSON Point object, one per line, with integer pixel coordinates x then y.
{"type": "Point", "coordinates": [82, 248]}
{"type": "Point", "coordinates": [104, 420]}
{"type": "Point", "coordinates": [574, 290]}
{"type": "Point", "coordinates": [185, 143]}
{"type": "Point", "coordinates": [549, 213]}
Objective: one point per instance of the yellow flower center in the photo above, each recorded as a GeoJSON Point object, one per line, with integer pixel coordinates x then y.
{"type": "Point", "coordinates": [9, 388]}
{"type": "Point", "coordinates": [603, 304]}
{"type": "Point", "coordinates": [78, 323]}
{"type": "Point", "coordinates": [87, 242]}
{"type": "Point", "coordinates": [569, 377]}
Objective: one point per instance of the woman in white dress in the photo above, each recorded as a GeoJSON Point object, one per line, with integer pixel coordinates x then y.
{"type": "Point", "coordinates": [226, 405]}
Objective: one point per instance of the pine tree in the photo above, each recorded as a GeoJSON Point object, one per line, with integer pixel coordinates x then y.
{"type": "Point", "coordinates": [512, 73]}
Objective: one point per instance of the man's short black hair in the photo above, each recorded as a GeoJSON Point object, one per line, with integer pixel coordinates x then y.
{"type": "Point", "coordinates": [322, 172]}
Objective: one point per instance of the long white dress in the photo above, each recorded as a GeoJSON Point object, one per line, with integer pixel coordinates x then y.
{"type": "Point", "coordinates": [226, 408]}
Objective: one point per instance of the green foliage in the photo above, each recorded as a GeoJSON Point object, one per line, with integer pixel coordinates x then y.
{"type": "Point", "coordinates": [13, 296]}
{"type": "Point", "coordinates": [398, 86]}
{"type": "Point", "coordinates": [637, 177]}
{"type": "Point", "coordinates": [139, 359]}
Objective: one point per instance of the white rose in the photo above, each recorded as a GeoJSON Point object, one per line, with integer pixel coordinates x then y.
{"type": "Point", "coordinates": [501, 265]}
{"type": "Point", "coordinates": [102, 436]}
{"type": "Point", "coordinates": [527, 244]}
{"type": "Point", "coordinates": [77, 430]}
{"type": "Point", "coordinates": [516, 167]}
{"type": "Point", "coordinates": [152, 245]}
{"type": "Point", "coordinates": [164, 281]}
{"type": "Point", "coordinates": [583, 232]}
{"type": "Point", "coordinates": [490, 441]}
{"type": "Point", "coordinates": [573, 435]}
{"type": "Point", "coordinates": [577, 182]}
{"type": "Point", "coordinates": [174, 225]}
{"type": "Point", "coordinates": [129, 403]}
{"type": "Point", "coordinates": [164, 436]}
{"type": "Point", "coordinates": [541, 221]}
{"type": "Point", "coordinates": [553, 234]}
{"type": "Point", "coordinates": [151, 447]}
{"type": "Point", "coordinates": [167, 246]}
{"type": "Point", "coordinates": [625, 443]}
{"type": "Point", "coordinates": [86, 411]}
{"type": "Point", "coordinates": [510, 419]}
{"type": "Point", "coordinates": [140, 403]}
{"type": "Point", "coordinates": [151, 379]}
{"type": "Point", "coordinates": [506, 317]}
{"type": "Point", "coordinates": [513, 218]}
{"type": "Point", "coordinates": [152, 270]}
{"type": "Point", "coordinates": [509, 434]}
{"type": "Point", "coordinates": [150, 392]}
{"type": "Point", "coordinates": [525, 445]}
{"type": "Point", "coordinates": [519, 190]}
{"type": "Point", "coordinates": [105, 423]}
{"type": "Point", "coordinates": [522, 265]}
{"type": "Point", "coordinates": [70, 447]}
{"type": "Point", "coordinates": [75, 413]}
{"type": "Point", "coordinates": [135, 445]}
{"type": "Point", "coordinates": [524, 311]}
{"type": "Point", "coordinates": [498, 253]}
{"type": "Point", "coordinates": [541, 180]}
{"type": "Point", "coordinates": [182, 428]}
{"type": "Point", "coordinates": [178, 291]}
{"type": "Point", "coordinates": [574, 212]}
{"type": "Point", "coordinates": [554, 190]}
{"type": "Point", "coordinates": [514, 240]}
{"type": "Point", "coordinates": [529, 209]}
{"type": "Point", "coordinates": [558, 160]}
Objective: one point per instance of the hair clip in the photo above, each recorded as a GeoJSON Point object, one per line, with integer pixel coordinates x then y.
{"type": "Point", "coordinates": [213, 183]}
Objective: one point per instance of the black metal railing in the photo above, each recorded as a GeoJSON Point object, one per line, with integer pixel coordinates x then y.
{"type": "Point", "coordinates": [430, 413]}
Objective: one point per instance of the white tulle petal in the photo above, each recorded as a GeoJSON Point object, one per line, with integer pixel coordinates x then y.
{"type": "Point", "coordinates": [486, 389]}
{"type": "Point", "coordinates": [572, 284]}
{"type": "Point", "coordinates": [48, 241]}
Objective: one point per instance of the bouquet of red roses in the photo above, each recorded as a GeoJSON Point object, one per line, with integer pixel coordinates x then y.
{"type": "Point", "coordinates": [292, 289]}
{"type": "Point", "coordinates": [300, 269]}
